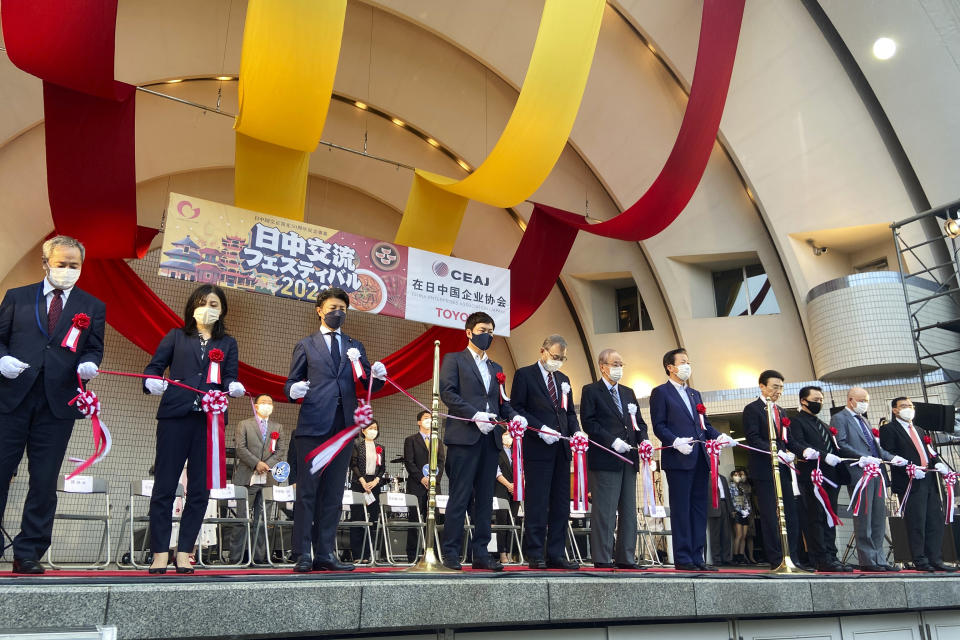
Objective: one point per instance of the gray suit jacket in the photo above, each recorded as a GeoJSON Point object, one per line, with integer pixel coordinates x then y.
{"type": "Point", "coordinates": [853, 444]}
{"type": "Point", "coordinates": [251, 449]}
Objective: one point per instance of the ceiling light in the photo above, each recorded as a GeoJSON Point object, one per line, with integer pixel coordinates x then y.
{"type": "Point", "coordinates": [224, 77]}
{"type": "Point", "coordinates": [951, 228]}
{"type": "Point", "coordinates": [360, 105]}
{"type": "Point", "coordinates": [433, 142]}
{"type": "Point", "coordinates": [884, 48]}
{"type": "Point", "coordinates": [175, 81]}
{"type": "Point", "coordinates": [463, 164]}
{"type": "Point", "coordinates": [398, 122]}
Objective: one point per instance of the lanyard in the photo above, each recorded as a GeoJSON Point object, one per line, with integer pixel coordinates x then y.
{"type": "Point", "coordinates": [36, 311]}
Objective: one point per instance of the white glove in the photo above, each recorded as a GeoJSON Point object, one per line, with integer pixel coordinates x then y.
{"type": "Point", "coordinates": [942, 468]}
{"type": "Point", "coordinates": [548, 435]}
{"type": "Point", "coordinates": [88, 370]}
{"type": "Point", "coordinates": [897, 461]}
{"type": "Point", "coordinates": [786, 457]}
{"type": "Point", "coordinates": [831, 459]}
{"type": "Point", "coordinates": [484, 421]}
{"type": "Point", "coordinates": [811, 454]}
{"type": "Point", "coordinates": [378, 370]}
{"type": "Point", "coordinates": [726, 440]}
{"type": "Point", "coordinates": [683, 445]}
{"type": "Point", "coordinates": [10, 367]}
{"type": "Point", "coordinates": [236, 389]}
{"type": "Point", "coordinates": [865, 460]}
{"type": "Point", "coordinates": [919, 473]}
{"type": "Point", "coordinates": [299, 389]}
{"type": "Point", "coordinates": [155, 387]}
{"type": "Point", "coordinates": [620, 446]}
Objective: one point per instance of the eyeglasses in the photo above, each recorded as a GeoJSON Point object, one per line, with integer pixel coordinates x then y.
{"type": "Point", "coordinates": [554, 356]}
{"type": "Point", "coordinates": [776, 387]}
{"type": "Point", "coordinates": [619, 363]}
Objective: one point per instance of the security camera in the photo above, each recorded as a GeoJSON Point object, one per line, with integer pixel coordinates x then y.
{"type": "Point", "coordinates": [817, 251]}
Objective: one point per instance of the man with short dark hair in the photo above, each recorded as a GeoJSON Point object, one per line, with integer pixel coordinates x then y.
{"type": "Point", "coordinates": [416, 459]}
{"type": "Point", "coordinates": [471, 391]}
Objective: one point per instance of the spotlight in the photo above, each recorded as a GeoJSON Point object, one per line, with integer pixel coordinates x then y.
{"type": "Point", "coordinates": [463, 164]}
{"type": "Point", "coordinates": [884, 48]}
{"type": "Point", "coordinates": [433, 142]}
{"type": "Point", "coordinates": [951, 228]}
{"type": "Point", "coordinates": [224, 77]}
{"type": "Point", "coordinates": [398, 122]}
{"type": "Point", "coordinates": [175, 81]}
{"type": "Point", "coordinates": [817, 251]}
{"type": "Point", "coordinates": [360, 105]}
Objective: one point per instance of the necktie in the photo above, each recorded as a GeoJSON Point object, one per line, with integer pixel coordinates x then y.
{"type": "Point", "coordinates": [868, 436]}
{"type": "Point", "coordinates": [552, 388]}
{"type": "Point", "coordinates": [918, 445]}
{"type": "Point", "coordinates": [56, 308]}
{"type": "Point", "coordinates": [615, 392]}
{"type": "Point", "coordinates": [334, 350]}
{"type": "Point", "coordinates": [263, 429]}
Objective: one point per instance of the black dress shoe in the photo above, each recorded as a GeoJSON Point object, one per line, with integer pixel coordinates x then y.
{"type": "Point", "coordinates": [706, 567]}
{"type": "Point", "coordinates": [27, 566]}
{"type": "Point", "coordinates": [804, 567]}
{"type": "Point", "coordinates": [331, 564]}
{"type": "Point", "coordinates": [535, 563]}
{"type": "Point", "coordinates": [603, 565]}
{"type": "Point", "coordinates": [872, 568]}
{"type": "Point", "coordinates": [938, 566]}
{"type": "Point", "coordinates": [629, 565]}
{"type": "Point", "coordinates": [304, 565]}
{"type": "Point", "coordinates": [452, 564]}
{"type": "Point", "coordinates": [923, 566]}
{"type": "Point", "coordinates": [887, 567]}
{"type": "Point", "coordinates": [562, 563]}
{"type": "Point", "coordinates": [840, 567]}
{"type": "Point", "coordinates": [488, 564]}
{"type": "Point", "coordinates": [157, 570]}
{"type": "Point", "coordinates": [686, 566]}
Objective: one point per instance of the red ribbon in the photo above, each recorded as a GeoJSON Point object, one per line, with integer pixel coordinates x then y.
{"type": "Point", "coordinates": [949, 481]}
{"type": "Point", "coordinates": [215, 405]}
{"type": "Point", "coordinates": [713, 450]}
{"type": "Point", "coordinates": [870, 471]}
{"type": "Point", "coordinates": [320, 458]}
{"type": "Point", "coordinates": [912, 474]}
{"type": "Point", "coordinates": [88, 404]}
{"type": "Point", "coordinates": [80, 322]}
{"type": "Point", "coordinates": [833, 520]}
{"type": "Point", "coordinates": [502, 380]}
{"type": "Point", "coordinates": [516, 430]}
{"type": "Point", "coordinates": [645, 453]}
{"type": "Point", "coordinates": [274, 437]}
{"type": "Point", "coordinates": [213, 371]}
{"type": "Point", "coordinates": [579, 443]}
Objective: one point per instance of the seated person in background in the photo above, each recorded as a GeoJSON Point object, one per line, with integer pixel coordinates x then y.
{"type": "Point", "coordinates": [416, 459]}
{"type": "Point", "coordinates": [504, 489]}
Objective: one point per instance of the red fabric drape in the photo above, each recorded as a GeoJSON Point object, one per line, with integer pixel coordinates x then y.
{"type": "Point", "coordinates": [88, 117]}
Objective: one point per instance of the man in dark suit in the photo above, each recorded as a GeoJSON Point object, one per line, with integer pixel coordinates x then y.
{"type": "Point", "coordinates": [720, 525]}
{"type": "Point", "coordinates": [855, 440]}
{"type": "Point", "coordinates": [923, 513]}
{"type": "Point", "coordinates": [416, 458]}
{"type": "Point", "coordinates": [322, 376]}
{"type": "Point", "coordinates": [604, 409]}
{"type": "Point", "coordinates": [469, 388]}
{"type": "Point", "coordinates": [757, 431]}
{"type": "Point", "coordinates": [539, 393]}
{"type": "Point", "coordinates": [673, 410]}
{"type": "Point", "coordinates": [811, 442]}
{"type": "Point", "coordinates": [39, 367]}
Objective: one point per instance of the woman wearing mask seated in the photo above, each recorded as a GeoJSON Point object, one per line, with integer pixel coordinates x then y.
{"type": "Point", "coordinates": [504, 489]}
{"type": "Point", "coordinates": [741, 514]}
{"type": "Point", "coordinates": [367, 466]}
{"type": "Point", "coordinates": [203, 356]}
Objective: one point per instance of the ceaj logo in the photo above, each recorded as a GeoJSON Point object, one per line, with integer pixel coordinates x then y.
{"type": "Point", "coordinates": [441, 269]}
{"type": "Point", "coordinates": [192, 212]}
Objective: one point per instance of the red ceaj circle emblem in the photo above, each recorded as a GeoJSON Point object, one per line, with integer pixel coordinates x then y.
{"type": "Point", "coordinates": [385, 256]}
{"type": "Point", "coordinates": [440, 268]}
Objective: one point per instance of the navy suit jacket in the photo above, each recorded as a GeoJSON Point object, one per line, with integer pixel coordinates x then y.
{"type": "Point", "coordinates": [328, 387]}
{"type": "Point", "coordinates": [181, 353]}
{"type": "Point", "coordinates": [672, 420]}
{"type": "Point", "coordinates": [604, 424]}
{"type": "Point", "coordinates": [461, 389]}
{"type": "Point", "coordinates": [23, 335]}
{"type": "Point", "coordinates": [531, 399]}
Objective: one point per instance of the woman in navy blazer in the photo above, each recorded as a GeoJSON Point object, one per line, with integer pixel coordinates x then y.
{"type": "Point", "coordinates": [181, 421]}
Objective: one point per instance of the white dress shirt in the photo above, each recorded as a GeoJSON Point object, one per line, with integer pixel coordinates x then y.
{"type": "Point", "coordinates": [682, 390]}
{"type": "Point", "coordinates": [48, 293]}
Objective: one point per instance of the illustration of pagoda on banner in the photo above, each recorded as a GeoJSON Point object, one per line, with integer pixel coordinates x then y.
{"type": "Point", "coordinates": [188, 261]}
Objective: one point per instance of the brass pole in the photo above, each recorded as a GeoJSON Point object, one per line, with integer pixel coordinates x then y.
{"type": "Point", "coordinates": [431, 561]}
{"type": "Point", "coordinates": [786, 564]}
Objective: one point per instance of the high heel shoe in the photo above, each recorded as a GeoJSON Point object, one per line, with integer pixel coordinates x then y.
{"type": "Point", "coordinates": [187, 569]}
{"type": "Point", "coordinates": [156, 570]}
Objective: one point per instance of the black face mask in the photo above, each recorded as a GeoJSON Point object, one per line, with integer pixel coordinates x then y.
{"type": "Point", "coordinates": [814, 407]}
{"type": "Point", "coordinates": [482, 341]}
{"type": "Point", "coordinates": [334, 319]}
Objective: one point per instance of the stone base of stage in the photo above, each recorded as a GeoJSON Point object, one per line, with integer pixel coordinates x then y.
{"type": "Point", "coordinates": [285, 605]}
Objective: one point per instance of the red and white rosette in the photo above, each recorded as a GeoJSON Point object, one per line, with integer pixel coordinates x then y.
{"type": "Point", "coordinates": [876, 435]}
{"type": "Point", "coordinates": [645, 453]}
{"type": "Point", "coordinates": [502, 380]}
{"type": "Point", "coordinates": [912, 474]}
{"type": "Point", "coordinates": [213, 371]}
{"type": "Point", "coordinates": [353, 354]}
{"type": "Point", "coordinates": [784, 425]}
{"type": "Point", "coordinates": [379, 451]}
{"type": "Point", "coordinates": [870, 471]}
{"type": "Point", "coordinates": [702, 411]}
{"type": "Point", "coordinates": [579, 443]}
{"type": "Point", "coordinates": [817, 477]}
{"type": "Point", "coordinates": [319, 458]}
{"type": "Point", "coordinates": [949, 482]}
{"type": "Point", "coordinates": [632, 410]}
{"type": "Point", "coordinates": [88, 404]}
{"type": "Point", "coordinates": [564, 391]}
{"type": "Point", "coordinates": [833, 436]}
{"type": "Point", "coordinates": [80, 322]}
{"type": "Point", "coordinates": [713, 452]}
{"type": "Point", "coordinates": [516, 429]}
{"type": "Point", "coordinates": [928, 443]}
{"type": "Point", "coordinates": [215, 405]}
{"type": "Point", "coordinates": [274, 437]}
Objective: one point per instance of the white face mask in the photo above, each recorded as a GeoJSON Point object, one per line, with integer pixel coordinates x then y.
{"type": "Point", "coordinates": [63, 278]}
{"type": "Point", "coordinates": [907, 414]}
{"type": "Point", "coordinates": [371, 434]}
{"type": "Point", "coordinates": [683, 371]}
{"type": "Point", "coordinates": [862, 407]}
{"type": "Point", "coordinates": [264, 410]}
{"type": "Point", "coordinates": [553, 365]}
{"type": "Point", "coordinates": [206, 316]}
{"type": "Point", "coordinates": [616, 373]}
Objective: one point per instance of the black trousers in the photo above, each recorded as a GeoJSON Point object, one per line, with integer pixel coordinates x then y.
{"type": "Point", "coordinates": [412, 537]}
{"type": "Point", "coordinates": [546, 507]}
{"type": "Point", "coordinates": [319, 497]}
{"type": "Point", "coordinates": [821, 538]}
{"type": "Point", "coordinates": [34, 428]}
{"type": "Point", "coordinates": [721, 534]}
{"type": "Point", "coordinates": [923, 516]}
{"type": "Point", "coordinates": [472, 470]}
{"type": "Point", "coordinates": [505, 538]}
{"type": "Point", "coordinates": [179, 441]}
{"type": "Point", "coordinates": [767, 513]}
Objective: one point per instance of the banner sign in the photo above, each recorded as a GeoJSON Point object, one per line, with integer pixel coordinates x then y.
{"type": "Point", "coordinates": [210, 242]}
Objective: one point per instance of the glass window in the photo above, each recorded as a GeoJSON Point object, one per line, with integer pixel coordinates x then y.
{"type": "Point", "coordinates": [744, 291]}
{"type": "Point", "coordinates": [631, 312]}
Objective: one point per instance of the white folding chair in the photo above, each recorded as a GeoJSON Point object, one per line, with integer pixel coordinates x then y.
{"type": "Point", "coordinates": [98, 490]}
{"type": "Point", "coordinates": [140, 489]}
{"type": "Point", "coordinates": [231, 493]}
{"type": "Point", "coordinates": [352, 499]}
{"type": "Point", "coordinates": [273, 497]}
{"type": "Point", "coordinates": [502, 505]}
{"type": "Point", "coordinates": [391, 505]}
